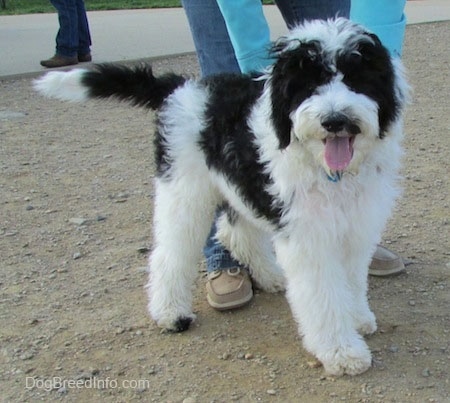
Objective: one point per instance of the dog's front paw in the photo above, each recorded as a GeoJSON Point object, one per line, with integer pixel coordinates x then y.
{"type": "Point", "coordinates": [176, 325]}
{"type": "Point", "coordinates": [367, 325]}
{"type": "Point", "coordinates": [272, 281]}
{"type": "Point", "coordinates": [349, 359]}
{"type": "Point", "coordinates": [171, 318]}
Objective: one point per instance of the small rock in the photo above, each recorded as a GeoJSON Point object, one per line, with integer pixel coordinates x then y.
{"type": "Point", "coordinates": [393, 349]}
{"type": "Point", "coordinates": [76, 255]}
{"type": "Point", "coordinates": [314, 364]}
{"type": "Point", "coordinates": [426, 373]}
{"type": "Point", "coordinates": [62, 390]}
{"type": "Point", "coordinates": [11, 115]}
{"type": "Point", "coordinates": [78, 221]}
{"type": "Point", "coordinates": [26, 356]}
{"type": "Point", "coordinates": [84, 376]}
{"type": "Point", "coordinates": [249, 356]}
{"type": "Point", "coordinates": [29, 207]}
{"type": "Point", "coordinates": [271, 392]}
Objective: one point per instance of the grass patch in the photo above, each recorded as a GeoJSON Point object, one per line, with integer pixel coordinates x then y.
{"type": "Point", "coordinates": [13, 7]}
{"type": "Point", "coordinates": [44, 6]}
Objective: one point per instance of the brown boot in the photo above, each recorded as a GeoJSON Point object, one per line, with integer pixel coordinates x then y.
{"type": "Point", "coordinates": [85, 58]}
{"type": "Point", "coordinates": [59, 61]}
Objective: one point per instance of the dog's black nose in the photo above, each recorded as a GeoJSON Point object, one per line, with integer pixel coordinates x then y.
{"type": "Point", "coordinates": [338, 122]}
{"type": "Point", "coordinates": [335, 123]}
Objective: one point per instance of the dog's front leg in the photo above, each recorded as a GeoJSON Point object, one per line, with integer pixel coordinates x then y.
{"type": "Point", "coordinates": [252, 248]}
{"type": "Point", "coordinates": [322, 303]}
{"type": "Point", "coordinates": [182, 220]}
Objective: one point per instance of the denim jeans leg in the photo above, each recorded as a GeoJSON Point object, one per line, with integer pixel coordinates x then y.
{"type": "Point", "coordinates": [296, 11]}
{"type": "Point", "coordinates": [67, 36]}
{"type": "Point", "coordinates": [215, 55]}
{"type": "Point", "coordinates": [84, 35]}
{"type": "Point", "coordinates": [213, 45]}
{"type": "Point", "coordinates": [217, 257]}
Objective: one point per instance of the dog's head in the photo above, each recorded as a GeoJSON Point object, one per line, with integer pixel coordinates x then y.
{"type": "Point", "coordinates": [334, 88]}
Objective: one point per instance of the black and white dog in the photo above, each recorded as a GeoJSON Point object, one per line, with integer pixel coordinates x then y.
{"type": "Point", "coordinates": [304, 159]}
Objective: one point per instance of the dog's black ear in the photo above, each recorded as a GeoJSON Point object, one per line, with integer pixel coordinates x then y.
{"type": "Point", "coordinates": [280, 105]}
{"type": "Point", "coordinates": [297, 72]}
{"type": "Point", "coordinates": [280, 116]}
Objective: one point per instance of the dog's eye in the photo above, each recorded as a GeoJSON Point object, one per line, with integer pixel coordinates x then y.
{"type": "Point", "coordinates": [354, 57]}
{"type": "Point", "coordinates": [312, 54]}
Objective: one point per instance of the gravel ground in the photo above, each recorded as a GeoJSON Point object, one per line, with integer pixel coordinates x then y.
{"type": "Point", "coordinates": [75, 230]}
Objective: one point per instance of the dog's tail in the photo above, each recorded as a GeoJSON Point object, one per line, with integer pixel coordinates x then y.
{"type": "Point", "coordinates": [137, 85]}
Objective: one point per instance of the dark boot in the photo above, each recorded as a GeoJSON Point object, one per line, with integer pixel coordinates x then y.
{"type": "Point", "coordinates": [59, 61]}
{"type": "Point", "coordinates": [84, 58]}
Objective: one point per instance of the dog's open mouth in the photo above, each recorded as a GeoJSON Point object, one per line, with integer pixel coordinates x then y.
{"type": "Point", "coordinates": [338, 154]}
{"type": "Point", "coordinates": [338, 151]}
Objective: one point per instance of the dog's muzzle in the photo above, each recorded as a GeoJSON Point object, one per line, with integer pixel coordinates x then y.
{"type": "Point", "coordinates": [341, 133]}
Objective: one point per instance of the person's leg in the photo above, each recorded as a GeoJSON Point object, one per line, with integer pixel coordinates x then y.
{"type": "Point", "coordinates": [228, 283]}
{"type": "Point", "coordinates": [212, 43]}
{"type": "Point", "coordinates": [297, 11]}
{"type": "Point", "coordinates": [217, 257]}
{"type": "Point", "coordinates": [84, 35]}
{"type": "Point", "coordinates": [67, 36]}
{"type": "Point", "coordinates": [385, 18]}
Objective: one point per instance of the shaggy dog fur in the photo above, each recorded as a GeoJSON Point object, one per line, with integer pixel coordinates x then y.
{"type": "Point", "coordinates": [303, 158]}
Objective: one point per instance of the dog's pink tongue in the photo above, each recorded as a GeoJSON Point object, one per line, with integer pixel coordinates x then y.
{"type": "Point", "coordinates": [338, 152]}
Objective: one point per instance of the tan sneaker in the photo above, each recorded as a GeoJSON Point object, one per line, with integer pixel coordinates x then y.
{"type": "Point", "coordinates": [385, 263]}
{"type": "Point", "coordinates": [229, 288]}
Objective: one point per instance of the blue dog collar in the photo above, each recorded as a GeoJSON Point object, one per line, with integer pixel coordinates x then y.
{"type": "Point", "coordinates": [336, 177]}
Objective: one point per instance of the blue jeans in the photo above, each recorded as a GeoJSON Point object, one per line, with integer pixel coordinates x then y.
{"type": "Point", "coordinates": [73, 37]}
{"type": "Point", "coordinates": [297, 11]}
{"type": "Point", "coordinates": [216, 55]}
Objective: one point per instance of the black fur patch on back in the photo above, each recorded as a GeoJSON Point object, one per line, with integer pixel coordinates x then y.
{"type": "Point", "coordinates": [228, 142]}
{"type": "Point", "coordinates": [137, 85]}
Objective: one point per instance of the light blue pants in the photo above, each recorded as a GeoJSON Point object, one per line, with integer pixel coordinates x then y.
{"type": "Point", "coordinates": [385, 18]}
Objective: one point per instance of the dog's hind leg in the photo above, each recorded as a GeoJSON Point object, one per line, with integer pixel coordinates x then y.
{"type": "Point", "coordinates": [252, 248]}
{"type": "Point", "coordinates": [182, 220]}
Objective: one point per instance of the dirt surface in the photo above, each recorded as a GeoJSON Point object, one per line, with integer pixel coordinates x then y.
{"type": "Point", "coordinates": [75, 229]}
